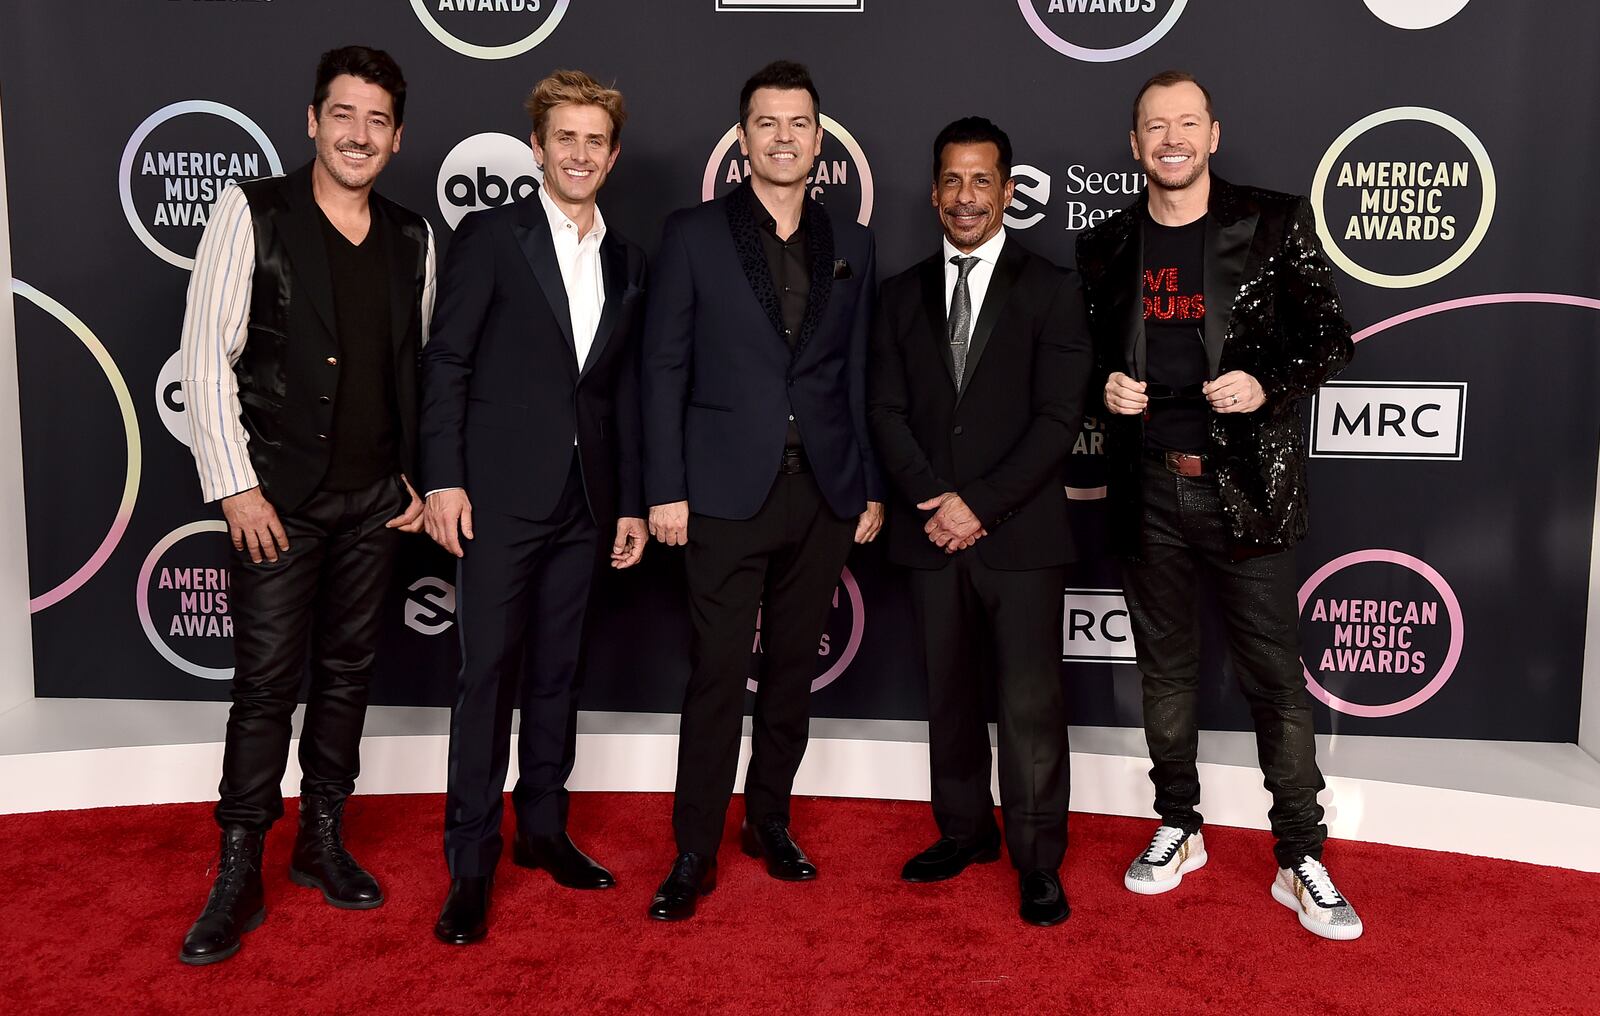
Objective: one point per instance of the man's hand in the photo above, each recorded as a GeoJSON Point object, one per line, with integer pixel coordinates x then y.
{"type": "Point", "coordinates": [628, 547]}
{"type": "Point", "coordinates": [1125, 396]}
{"type": "Point", "coordinates": [410, 520]}
{"type": "Point", "coordinates": [953, 526]}
{"type": "Point", "coordinates": [870, 522]}
{"type": "Point", "coordinates": [445, 512]}
{"type": "Point", "coordinates": [1234, 392]}
{"type": "Point", "coordinates": [669, 523]}
{"type": "Point", "coordinates": [253, 523]}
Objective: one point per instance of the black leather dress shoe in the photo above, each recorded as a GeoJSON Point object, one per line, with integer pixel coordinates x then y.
{"type": "Point", "coordinates": [948, 858]}
{"type": "Point", "coordinates": [320, 860]}
{"type": "Point", "coordinates": [692, 876]}
{"type": "Point", "coordinates": [235, 904]}
{"type": "Point", "coordinates": [465, 916]}
{"type": "Point", "coordinates": [1043, 901]}
{"type": "Point", "coordinates": [770, 838]}
{"type": "Point", "coordinates": [558, 855]}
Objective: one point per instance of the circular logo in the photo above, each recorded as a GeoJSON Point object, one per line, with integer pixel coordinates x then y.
{"type": "Point", "coordinates": [1101, 31]}
{"type": "Point", "coordinates": [1416, 14]}
{"type": "Point", "coordinates": [1380, 633]}
{"type": "Point", "coordinates": [1404, 197]}
{"type": "Point", "coordinates": [485, 171]}
{"type": "Point", "coordinates": [840, 641]}
{"type": "Point", "coordinates": [130, 434]}
{"type": "Point", "coordinates": [841, 174]}
{"type": "Point", "coordinates": [175, 166]}
{"type": "Point", "coordinates": [169, 399]}
{"type": "Point", "coordinates": [490, 29]}
{"type": "Point", "coordinates": [182, 598]}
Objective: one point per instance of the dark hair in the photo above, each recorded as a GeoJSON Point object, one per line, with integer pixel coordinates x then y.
{"type": "Point", "coordinates": [781, 74]}
{"type": "Point", "coordinates": [1166, 79]}
{"type": "Point", "coordinates": [972, 130]}
{"type": "Point", "coordinates": [373, 66]}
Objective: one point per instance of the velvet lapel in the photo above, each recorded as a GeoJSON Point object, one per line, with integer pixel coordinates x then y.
{"type": "Point", "coordinates": [932, 276]}
{"type": "Point", "coordinates": [1229, 230]}
{"type": "Point", "coordinates": [302, 236]}
{"type": "Point", "coordinates": [614, 273]}
{"type": "Point", "coordinates": [819, 235]}
{"type": "Point", "coordinates": [740, 207]}
{"type": "Point", "coordinates": [533, 236]}
{"type": "Point", "coordinates": [1006, 269]}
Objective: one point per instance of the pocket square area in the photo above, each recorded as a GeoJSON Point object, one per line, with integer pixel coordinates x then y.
{"type": "Point", "coordinates": [841, 270]}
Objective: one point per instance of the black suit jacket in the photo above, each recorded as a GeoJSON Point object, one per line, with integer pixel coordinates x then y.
{"type": "Point", "coordinates": [1271, 311]}
{"type": "Point", "coordinates": [502, 394]}
{"type": "Point", "coordinates": [719, 380]}
{"type": "Point", "coordinates": [1001, 443]}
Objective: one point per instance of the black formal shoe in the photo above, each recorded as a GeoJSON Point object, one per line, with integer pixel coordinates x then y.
{"type": "Point", "coordinates": [558, 855]}
{"type": "Point", "coordinates": [320, 860]}
{"type": "Point", "coordinates": [770, 838]}
{"type": "Point", "coordinates": [235, 904]}
{"type": "Point", "coordinates": [948, 858]}
{"type": "Point", "coordinates": [692, 876]}
{"type": "Point", "coordinates": [1043, 902]}
{"type": "Point", "coordinates": [465, 916]}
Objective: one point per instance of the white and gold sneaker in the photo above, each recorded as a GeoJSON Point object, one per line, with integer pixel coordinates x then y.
{"type": "Point", "coordinates": [1172, 854]}
{"type": "Point", "coordinates": [1308, 890]}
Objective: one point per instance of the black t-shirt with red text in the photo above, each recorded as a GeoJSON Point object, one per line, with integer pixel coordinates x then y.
{"type": "Point", "coordinates": [1178, 418]}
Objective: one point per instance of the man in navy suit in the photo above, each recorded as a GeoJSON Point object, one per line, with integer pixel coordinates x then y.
{"type": "Point", "coordinates": [530, 456]}
{"type": "Point", "coordinates": [756, 458]}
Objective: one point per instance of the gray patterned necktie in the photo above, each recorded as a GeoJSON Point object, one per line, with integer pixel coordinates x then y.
{"type": "Point", "coordinates": [961, 316]}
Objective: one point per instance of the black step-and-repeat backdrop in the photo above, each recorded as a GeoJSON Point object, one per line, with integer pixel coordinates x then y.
{"type": "Point", "coordinates": [1449, 147]}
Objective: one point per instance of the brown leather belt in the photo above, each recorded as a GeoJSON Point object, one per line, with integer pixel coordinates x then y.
{"type": "Point", "coordinates": [1184, 464]}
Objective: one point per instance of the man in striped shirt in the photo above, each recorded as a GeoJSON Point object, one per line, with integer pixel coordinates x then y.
{"type": "Point", "coordinates": [308, 307]}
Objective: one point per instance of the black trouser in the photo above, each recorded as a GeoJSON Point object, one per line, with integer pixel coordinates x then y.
{"type": "Point", "coordinates": [1018, 615]}
{"type": "Point", "coordinates": [783, 562]}
{"type": "Point", "coordinates": [522, 593]}
{"type": "Point", "coordinates": [1183, 533]}
{"type": "Point", "coordinates": [324, 594]}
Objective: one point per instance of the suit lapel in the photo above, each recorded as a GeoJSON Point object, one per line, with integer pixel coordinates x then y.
{"type": "Point", "coordinates": [932, 274]}
{"type": "Point", "coordinates": [539, 248]}
{"type": "Point", "coordinates": [752, 257]}
{"type": "Point", "coordinates": [302, 237]}
{"type": "Point", "coordinates": [1229, 230]}
{"type": "Point", "coordinates": [1127, 268]}
{"type": "Point", "coordinates": [614, 272]}
{"type": "Point", "coordinates": [1006, 269]}
{"type": "Point", "coordinates": [405, 261]}
{"type": "Point", "coordinates": [819, 236]}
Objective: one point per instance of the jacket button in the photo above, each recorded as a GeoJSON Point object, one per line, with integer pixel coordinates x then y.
{"type": "Point", "coordinates": [958, 431]}
{"type": "Point", "coordinates": [322, 437]}
{"type": "Point", "coordinates": [324, 399]}
{"type": "Point", "coordinates": [333, 361]}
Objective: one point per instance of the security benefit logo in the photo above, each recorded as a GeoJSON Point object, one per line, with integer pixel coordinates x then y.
{"type": "Point", "coordinates": [430, 606]}
{"type": "Point", "coordinates": [175, 166]}
{"type": "Point", "coordinates": [1404, 197]}
{"type": "Point", "coordinates": [840, 179]}
{"type": "Point", "coordinates": [485, 171]}
{"type": "Point", "coordinates": [490, 29]}
{"type": "Point", "coordinates": [1094, 627]}
{"type": "Point", "coordinates": [840, 641]}
{"type": "Point", "coordinates": [1389, 420]}
{"type": "Point", "coordinates": [1101, 31]}
{"type": "Point", "coordinates": [1088, 196]}
{"type": "Point", "coordinates": [183, 600]}
{"type": "Point", "coordinates": [1380, 633]}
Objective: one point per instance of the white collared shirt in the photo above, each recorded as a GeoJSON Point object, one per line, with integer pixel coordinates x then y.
{"type": "Point", "coordinates": [978, 278]}
{"type": "Point", "coordinates": [579, 258]}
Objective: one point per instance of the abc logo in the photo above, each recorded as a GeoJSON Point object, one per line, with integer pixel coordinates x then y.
{"type": "Point", "coordinates": [485, 171]}
{"type": "Point", "coordinates": [169, 399]}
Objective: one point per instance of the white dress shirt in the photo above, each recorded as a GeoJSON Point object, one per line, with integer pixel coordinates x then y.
{"type": "Point", "coordinates": [978, 278]}
{"type": "Point", "coordinates": [579, 258]}
{"type": "Point", "coordinates": [214, 332]}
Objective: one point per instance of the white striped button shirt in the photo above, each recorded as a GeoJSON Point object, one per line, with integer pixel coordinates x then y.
{"type": "Point", "coordinates": [214, 333]}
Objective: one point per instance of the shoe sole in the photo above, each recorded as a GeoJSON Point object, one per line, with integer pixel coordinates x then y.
{"type": "Point", "coordinates": [986, 857]}
{"type": "Point", "coordinates": [301, 878]}
{"type": "Point", "coordinates": [1166, 885]}
{"type": "Point", "coordinates": [1333, 932]}
{"type": "Point", "coordinates": [755, 852]}
{"type": "Point", "coordinates": [523, 862]}
{"type": "Point", "coordinates": [251, 925]}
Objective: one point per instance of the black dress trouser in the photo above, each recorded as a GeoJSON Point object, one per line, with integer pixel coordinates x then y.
{"type": "Point", "coordinates": [1184, 533]}
{"type": "Point", "coordinates": [1017, 614]}
{"type": "Point", "coordinates": [778, 568]}
{"type": "Point", "coordinates": [324, 596]}
{"type": "Point", "coordinates": [522, 594]}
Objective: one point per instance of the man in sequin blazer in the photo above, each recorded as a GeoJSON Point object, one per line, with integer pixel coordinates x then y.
{"type": "Point", "coordinates": [1214, 314]}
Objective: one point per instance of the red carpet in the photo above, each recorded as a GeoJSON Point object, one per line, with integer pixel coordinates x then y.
{"type": "Point", "coordinates": [95, 903]}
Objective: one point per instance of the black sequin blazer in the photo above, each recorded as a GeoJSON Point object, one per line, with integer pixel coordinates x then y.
{"type": "Point", "coordinates": [1271, 311]}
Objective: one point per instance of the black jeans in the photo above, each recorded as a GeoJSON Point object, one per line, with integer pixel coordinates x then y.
{"type": "Point", "coordinates": [324, 595]}
{"type": "Point", "coordinates": [1183, 533]}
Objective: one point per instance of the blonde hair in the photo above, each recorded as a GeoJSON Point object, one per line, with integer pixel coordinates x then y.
{"type": "Point", "coordinates": [574, 88]}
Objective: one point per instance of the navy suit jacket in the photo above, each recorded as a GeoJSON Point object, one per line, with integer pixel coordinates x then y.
{"type": "Point", "coordinates": [719, 380]}
{"type": "Point", "coordinates": [502, 392]}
